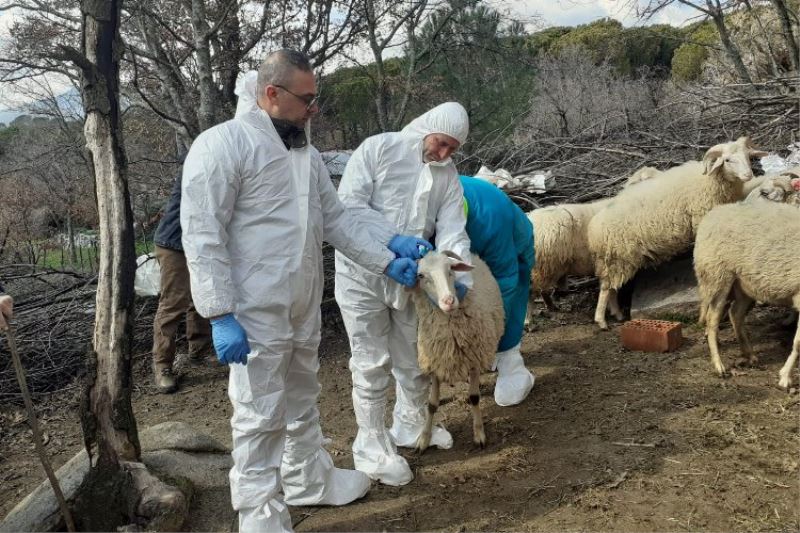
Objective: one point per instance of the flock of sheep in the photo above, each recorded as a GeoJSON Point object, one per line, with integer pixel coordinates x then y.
{"type": "Point", "coordinates": [743, 229]}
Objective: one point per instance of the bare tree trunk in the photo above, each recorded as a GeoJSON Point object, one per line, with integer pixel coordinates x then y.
{"type": "Point", "coordinates": [118, 490]}
{"type": "Point", "coordinates": [718, 16]}
{"type": "Point", "coordinates": [788, 33]}
{"type": "Point", "coordinates": [230, 52]}
{"type": "Point", "coordinates": [73, 258]}
{"type": "Point", "coordinates": [207, 112]}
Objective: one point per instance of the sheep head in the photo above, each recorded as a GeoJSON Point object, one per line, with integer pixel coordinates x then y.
{"type": "Point", "coordinates": [436, 277]}
{"type": "Point", "coordinates": [731, 160]}
{"type": "Point", "coordinates": [776, 188]}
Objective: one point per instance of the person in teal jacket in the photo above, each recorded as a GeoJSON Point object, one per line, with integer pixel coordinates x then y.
{"type": "Point", "coordinates": [501, 234]}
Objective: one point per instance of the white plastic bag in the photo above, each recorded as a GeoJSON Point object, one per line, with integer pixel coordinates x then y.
{"type": "Point", "coordinates": [773, 164]}
{"type": "Point", "coordinates": [538, 182]}
{"type": "Point", "coordinates": [147, 281]}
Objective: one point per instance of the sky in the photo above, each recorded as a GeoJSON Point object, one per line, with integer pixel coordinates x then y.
{"type": "Point", "coordinates": [574, 12]}
{"type": "Point", "coordinates": [538, 13]}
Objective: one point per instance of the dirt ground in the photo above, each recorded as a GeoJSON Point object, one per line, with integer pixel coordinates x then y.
{"type": "Point", "coordinates": [608, 440]}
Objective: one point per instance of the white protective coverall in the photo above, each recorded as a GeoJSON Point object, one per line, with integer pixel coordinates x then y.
{"type": "Point", "coordinates": [387, 175]}
{"type": "Point", "coordinates": [254, 216]}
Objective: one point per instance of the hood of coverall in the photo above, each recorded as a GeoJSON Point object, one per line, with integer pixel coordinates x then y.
{"type": "Point", "coordinates": [245, 90]}
{"type": "Point", "coordinates": [449, 118]}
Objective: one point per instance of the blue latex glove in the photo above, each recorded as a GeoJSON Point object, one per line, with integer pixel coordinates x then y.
{"type": "Point", "coordinates": [403, 270]}
{"type": "Point", "coordinates": [230, 340]}
{"type": "Point", "coordinates": [408, 246]}
{"type": "Point", "coordinates": [461, 291]}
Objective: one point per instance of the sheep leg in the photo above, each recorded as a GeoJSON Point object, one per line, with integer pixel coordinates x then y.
{"type": "Point", "coordinates": [602, 303]}
{"type": "Point", "coordinates": [714, 310]}
{"type": "Point", "coordinates": [547, 296]}
{"type": "Point", "coordinates": [529, 313]}
{"type": "Point", "coordinates": [613, 305]}
{"type": "Point", "coordinates": [424, 439]}
{"type": "Point", "coordinates": [742, 304]}
{"type": "Point", "coordinates": [786, 372]}
{"type": "Point", "coordinates": [478, 435]}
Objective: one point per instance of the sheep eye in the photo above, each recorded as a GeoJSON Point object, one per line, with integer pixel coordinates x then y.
{"type": "Point", "coordinates": [420, 276]}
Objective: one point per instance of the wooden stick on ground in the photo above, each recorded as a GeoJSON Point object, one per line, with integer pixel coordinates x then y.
{"type": "Point", "coordinates": [37, 434]}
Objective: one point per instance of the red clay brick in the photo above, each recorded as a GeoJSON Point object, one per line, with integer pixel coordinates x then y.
{"type": "Point", "coordinates": [651, 335]}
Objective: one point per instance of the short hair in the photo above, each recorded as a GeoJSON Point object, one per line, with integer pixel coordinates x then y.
{"type": "Point", "coordinates": [278, 67]}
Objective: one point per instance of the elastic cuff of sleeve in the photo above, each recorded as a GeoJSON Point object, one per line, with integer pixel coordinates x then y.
{"type": "Point", "coordinates": [388, 258]}
{"type": "Point", "coordinates": [215, 311]}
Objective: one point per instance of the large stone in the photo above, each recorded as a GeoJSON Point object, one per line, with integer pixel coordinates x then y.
{"type": "Point", "coordinates": [164, 450]}
{"type": "Point", "coordinates": [39, 510]}
{"type": "Point", "coordinates": [178, 436]}
{"type": "Point", "coordinates": [672, 287]}
{"type": "Point", "coordinates": [204, 470]}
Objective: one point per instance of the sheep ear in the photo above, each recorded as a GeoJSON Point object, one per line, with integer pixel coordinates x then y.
{"type": "Point", "coordinates": [451, 254]}
{"type": "Point", "coordinates": [751, 149]}
{"type": "Point", "coordinates": [456, 263]}
{"type": "Point", "coordinates": [712, 160]}
{"type": "Point", "coordinates": [461, 266]}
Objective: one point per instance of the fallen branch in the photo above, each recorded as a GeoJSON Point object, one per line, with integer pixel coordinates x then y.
{"type": "Point", "coordinates": [37, 434]}
{"type": "Point", "coordinates": [635, 444]}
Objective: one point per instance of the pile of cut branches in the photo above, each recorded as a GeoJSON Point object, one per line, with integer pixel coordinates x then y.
{"type": "Point", "coordinates": [54, 313]}
{"type": "Point", "coordinates": [594, 162]}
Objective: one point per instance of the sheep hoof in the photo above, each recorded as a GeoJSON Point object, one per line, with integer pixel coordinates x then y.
{"type": "Point", "coordinates": [422, 444]}
{"type": "Point", "coordinates": [603, 325]}
{"type": "Point", "coordinates": [480, 440]}
{"type": "Point", "coordinates": [785, 383]}
{"type": "Point", "coordinates": [723, 373]}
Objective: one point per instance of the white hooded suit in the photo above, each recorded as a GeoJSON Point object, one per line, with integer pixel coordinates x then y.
{"type": "Point", "coordinates": [254, 215]}
{"type": "Point", "coordinates": [387, 179]}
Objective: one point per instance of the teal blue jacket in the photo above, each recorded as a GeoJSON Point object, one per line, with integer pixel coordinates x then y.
{"type": "Point", "coordinates": [502, 235]}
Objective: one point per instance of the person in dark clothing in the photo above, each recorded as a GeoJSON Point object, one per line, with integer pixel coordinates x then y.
{"type": "Point", "coordinates": [6, 309]}
{"type": "Point", "coordinates": [175, 300]}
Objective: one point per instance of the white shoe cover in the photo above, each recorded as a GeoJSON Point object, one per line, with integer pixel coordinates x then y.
{"type": "Point", "coordinates": [405, 436]}
{"type": "Point", "coordinates": [514, 381]}
{"type": "Point", "coordinates": [386, 467]}
{"type": "Point", "coordinates": [272, 517]}
{"type": "Point", "coordinates": [374, 453]}
{"type": "Point", "coordinates": [321, 483]}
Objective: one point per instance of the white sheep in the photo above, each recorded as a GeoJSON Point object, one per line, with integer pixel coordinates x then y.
{"type": "Point", "coordinates": [657, 219]}
{"type": "Point", "coordinates": [784, 188]}
{"type": "Point", "coordinates": [561, 246]}
{"type": "Point", "coordinates": [747, 252]}
{"type": "Point", "coordinates": [456, 341]}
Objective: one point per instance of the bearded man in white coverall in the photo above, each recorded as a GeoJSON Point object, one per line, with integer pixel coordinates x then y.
{"type": "Point", "coordinates": [407, 178]}
{"type": "Point", "coordinates": [257, 204]}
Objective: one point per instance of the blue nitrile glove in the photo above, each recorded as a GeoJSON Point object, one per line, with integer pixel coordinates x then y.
{"type": "Point", "coordinates": [230, 340]}
{"type": "Point", "coordinates": [403, 270]}
{"type": "Point", "coordinates": [408, 246]}
{"type": "Point", "coordinates": [461, 291]}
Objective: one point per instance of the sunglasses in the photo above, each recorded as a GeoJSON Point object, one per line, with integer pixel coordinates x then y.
{"type": "Point", "coordinates": [310, 101]}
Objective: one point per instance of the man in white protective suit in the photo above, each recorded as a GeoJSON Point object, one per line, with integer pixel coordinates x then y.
{"type": "Point", "coordinates": [257, 204]}
{"type": "Point", "coordinates": [409, 179]}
